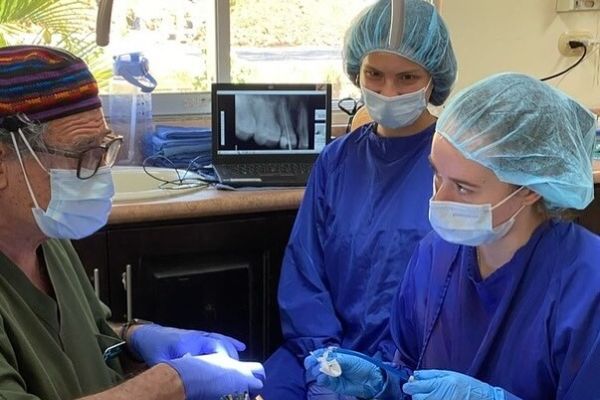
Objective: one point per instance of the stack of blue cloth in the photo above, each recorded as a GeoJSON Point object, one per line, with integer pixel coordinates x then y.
{"type": "Point", "coordinates": [178, 146]}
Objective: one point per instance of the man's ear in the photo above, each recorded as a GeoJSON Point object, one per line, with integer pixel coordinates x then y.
{"type": "Point", "coordinates": [4, 152]}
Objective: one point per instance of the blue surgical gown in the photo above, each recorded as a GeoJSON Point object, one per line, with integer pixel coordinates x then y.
{"type": "Point", "coordinates": [531, 328]}
{"type": "Point", "coordinates": [364, 210]}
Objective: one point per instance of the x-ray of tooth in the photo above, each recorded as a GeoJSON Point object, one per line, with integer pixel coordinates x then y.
{"type": "Point", "coordinates": [273, 121]}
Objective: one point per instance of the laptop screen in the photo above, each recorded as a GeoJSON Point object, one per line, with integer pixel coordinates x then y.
{"type": "Point", "coordinates": [270, 120]}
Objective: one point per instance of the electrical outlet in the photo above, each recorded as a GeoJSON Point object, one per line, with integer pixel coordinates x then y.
{"type": "Point", "coordinates": [565, 38]}
{"type": "Point", "coordinates": [577, 5]}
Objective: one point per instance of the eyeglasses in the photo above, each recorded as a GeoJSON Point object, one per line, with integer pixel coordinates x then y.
{"type": "Point", "coordinates": [89, 160]}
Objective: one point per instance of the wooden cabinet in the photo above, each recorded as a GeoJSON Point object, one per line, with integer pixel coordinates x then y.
{"type": "Point", "coordinates": [214, 274]}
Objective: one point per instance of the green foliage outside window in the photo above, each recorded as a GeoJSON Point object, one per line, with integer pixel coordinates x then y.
{"type": "Point", "coordinates": [66, 24]}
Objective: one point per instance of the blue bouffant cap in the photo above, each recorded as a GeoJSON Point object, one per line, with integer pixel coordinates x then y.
{"type": "Point", "coordinates": [422, 38]}
{"type": "Point", "coordinates": [528, 133]}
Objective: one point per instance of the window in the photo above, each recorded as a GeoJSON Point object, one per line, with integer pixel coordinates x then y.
{"type": "Point", "coordinates": [176, 36]}
{"type": "Point", "coordinates": [301, 40]}
{"type": "Point", "coordinates": [191, 43]}
{"type": "Point", "coordinates": [268, 41]}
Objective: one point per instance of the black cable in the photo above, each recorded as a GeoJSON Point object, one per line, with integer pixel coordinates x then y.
{"type": "Point", "coordinates": [183, 181]}
{"type": "Point", "coordinates": [573, 44]}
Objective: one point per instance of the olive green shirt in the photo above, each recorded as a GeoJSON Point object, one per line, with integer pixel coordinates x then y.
{"type": "Point", "coordinates": [52, 349]}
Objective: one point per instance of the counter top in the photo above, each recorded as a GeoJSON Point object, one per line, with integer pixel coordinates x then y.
{"type": "Point", "coordinates": [206, 203]}
{"type": "Point", "coordinates": [212, 202]}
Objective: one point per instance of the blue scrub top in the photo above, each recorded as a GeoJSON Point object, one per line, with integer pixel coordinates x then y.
{"type": "Point", "coordinates": [531, 328]}
{"type": "Point", "coordinates": [364, 210]}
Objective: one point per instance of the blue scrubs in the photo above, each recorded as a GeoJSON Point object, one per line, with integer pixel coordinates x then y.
{"type": "Point", "coordinates": [531, 328]}
{"type": "Point", "coordinates": [364, 210]}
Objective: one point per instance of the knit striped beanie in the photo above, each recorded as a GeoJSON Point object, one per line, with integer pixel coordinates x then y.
{"type": "Point", "coordinates": [44, 83]}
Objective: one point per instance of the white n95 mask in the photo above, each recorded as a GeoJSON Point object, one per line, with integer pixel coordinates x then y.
{"type": "Point", "coordinates": [468, 224]}
{"type": "Point", "coordinates": [77, 207]}
{"type": "Point", "coordinates": [396, 111]}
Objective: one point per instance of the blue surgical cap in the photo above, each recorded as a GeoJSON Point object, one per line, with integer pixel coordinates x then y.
{"type": "Point", "coordinates": [425, 41]}
{"type": "Point", "coordinates": [528, 133]}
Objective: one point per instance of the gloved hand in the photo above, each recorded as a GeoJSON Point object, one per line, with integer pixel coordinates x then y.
{"type": "Point", "coordinates": [212, 376]}
{"type": "Point", "coordinates": [449, 385]}
{"type": "Point", "coordinates": [154, 343]}
{"type": "Point", "coordinates": [359, 378]}
{"type": "Point", "coordinates": [316, 392]}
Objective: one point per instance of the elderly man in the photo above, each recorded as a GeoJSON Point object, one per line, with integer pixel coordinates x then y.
{"type": "Point", "coordinates": [56, 153]}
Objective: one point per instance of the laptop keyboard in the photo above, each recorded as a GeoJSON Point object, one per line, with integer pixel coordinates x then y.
{"type": "Point", "coordinates": [267, 169]}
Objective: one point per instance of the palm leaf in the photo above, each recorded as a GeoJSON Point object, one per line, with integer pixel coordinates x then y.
{"type": "Point", "coordinates": [68, 24]}
{"type": "Point", "coordinates": [67, 15]}
{"type": "Point", "coordinates": [62, 17]}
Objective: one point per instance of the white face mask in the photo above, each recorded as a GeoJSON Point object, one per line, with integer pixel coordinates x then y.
{"type": "Point", "coordinates": [468, 224]}
{"type": "Point", "coordinates": [77, 207]}
{"type": "Point", "coordinates": [396, 111]}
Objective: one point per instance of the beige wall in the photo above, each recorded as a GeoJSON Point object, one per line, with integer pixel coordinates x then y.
{"type": "Point", "coordinates": [521, 35]}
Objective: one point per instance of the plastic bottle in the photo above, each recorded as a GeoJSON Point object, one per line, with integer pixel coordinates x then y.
{"type": "Point", "coordinates": [130, 105]}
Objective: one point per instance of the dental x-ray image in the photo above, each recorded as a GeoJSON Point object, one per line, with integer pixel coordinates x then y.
{"type": "Point", "coordinates": [272, 121]}
{"type": "Point", "coordinates": [278, 119]}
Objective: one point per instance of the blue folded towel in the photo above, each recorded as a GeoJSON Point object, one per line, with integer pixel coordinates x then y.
{"type": "Point", "coordinates": [167, 132]}
{"type": "Point", "coordinates": [179, 144]}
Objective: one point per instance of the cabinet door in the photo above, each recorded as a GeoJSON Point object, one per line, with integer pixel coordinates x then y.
{"type": "Point", "coordinates": [211, 292]}
{"type": "Point", "coordinates": [210, 275]}
{"type": "Point", "coordinates": [93, 254]}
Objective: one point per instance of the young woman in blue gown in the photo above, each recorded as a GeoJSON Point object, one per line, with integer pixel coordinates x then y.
{"type": "Point", "coordinates": [501, 301]}
{"type": "Point", "coordinates": [365, 205]}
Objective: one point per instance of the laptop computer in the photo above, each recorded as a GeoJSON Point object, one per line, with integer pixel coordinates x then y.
{"type": "Point", "coordinates": [268, 134]}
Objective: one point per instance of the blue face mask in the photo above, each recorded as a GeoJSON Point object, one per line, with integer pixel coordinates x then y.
{"type": "Point", "coordinates": [77, 207]}
{"type": "Point", "coordinates": [397, 111]}
{"type": "Point", "coordinates": [468, 224]}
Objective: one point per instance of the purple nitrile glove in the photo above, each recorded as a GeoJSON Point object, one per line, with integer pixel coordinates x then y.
{"type": "Point", "coordinates": [154, 343]}
{"type": "Point", "coordinates": [316, 392]}
{"type": "Point", "coordinates": [212, 376]}
{"type": "Point", "coordinates": [432, 384]}
{"type": "Point", "coordinates": [359, 377]}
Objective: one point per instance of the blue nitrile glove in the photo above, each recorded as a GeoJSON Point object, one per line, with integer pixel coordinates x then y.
{"type": "Point", "coordinates": [316, 392]}
{"type": "Point", "coordinates": [212, 376]}
{"type": "Point", "coordinates": [359, 378]}
{"type": "Point", "coordinates": [153, 343]}
{"type": "Point", "coordinates": [436, 384]}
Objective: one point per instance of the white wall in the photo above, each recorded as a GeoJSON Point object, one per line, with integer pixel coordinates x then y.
{"type": "Point", "coordinates": [521, 35]}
